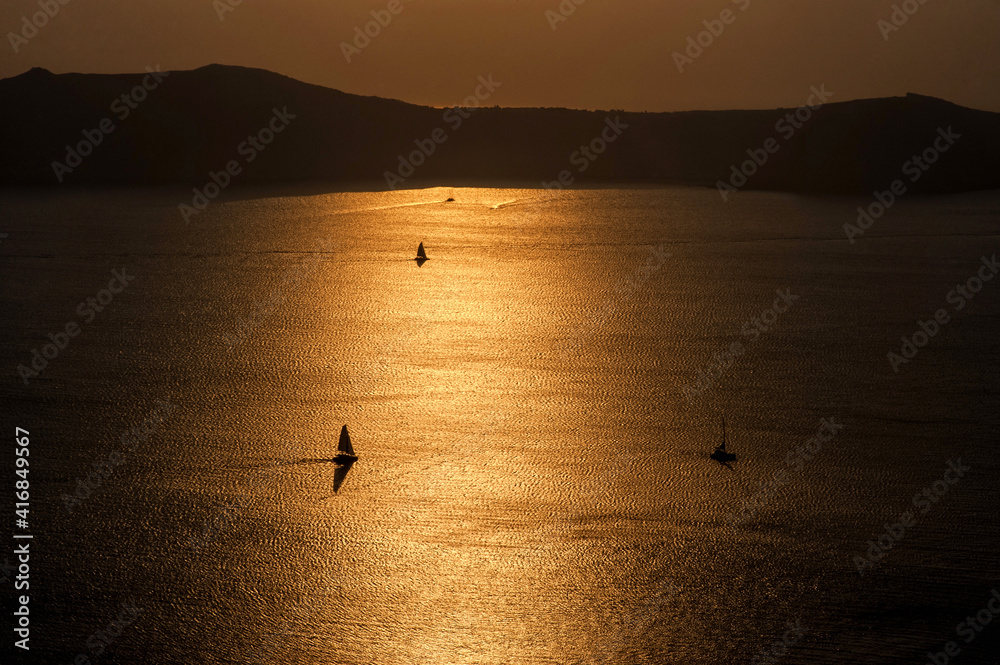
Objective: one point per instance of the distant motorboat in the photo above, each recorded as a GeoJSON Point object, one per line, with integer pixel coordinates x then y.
{"type": "Point", "coordinates": [344, 459]}
{"type": "Point", "coordinates": [721, 455]}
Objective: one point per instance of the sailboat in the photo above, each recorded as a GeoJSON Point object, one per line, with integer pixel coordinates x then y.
{"type": "Point", "coordinates": [421, 255]}
{"type": "Point", "coordinates": [344, 459]}
{"type": "Point", "coordinates": [721, 455]}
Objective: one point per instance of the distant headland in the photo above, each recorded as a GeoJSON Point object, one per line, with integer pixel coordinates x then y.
{"type": "Point", "coordinates": [249, 126]}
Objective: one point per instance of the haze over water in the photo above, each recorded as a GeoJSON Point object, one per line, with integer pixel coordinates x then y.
{"type": "Point", "coordinates": [533, 484]}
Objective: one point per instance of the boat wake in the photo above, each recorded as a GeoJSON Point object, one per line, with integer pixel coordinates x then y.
{"type": "Point", "coordinates": [533, 200]}
{"type": "Point", "coordinates": [307, 461]}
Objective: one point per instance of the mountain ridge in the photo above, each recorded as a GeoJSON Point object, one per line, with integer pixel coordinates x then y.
{"type": "Point", "coordinates": [191, 123]}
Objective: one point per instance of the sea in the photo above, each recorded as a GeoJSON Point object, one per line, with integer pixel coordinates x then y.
{"type": "Point", "coordinates": [533, 409]}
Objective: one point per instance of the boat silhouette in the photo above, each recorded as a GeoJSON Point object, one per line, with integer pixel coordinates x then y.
{"type": "Point", "coordinates": [344, 459]}
{"type": "Point", "coordinates": [421, 255]}
{"type": "Point", "coordinates": [721, 455]}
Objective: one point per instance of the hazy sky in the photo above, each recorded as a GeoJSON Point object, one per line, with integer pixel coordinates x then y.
{"type": "Point", "coordinates": [605, 54]}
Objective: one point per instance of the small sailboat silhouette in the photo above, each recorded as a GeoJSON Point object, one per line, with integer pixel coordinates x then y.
{"type": "Point", "coordinates": [344, 459]}
{"type": "Point", "coordinates": [721, 455]}
{"type": "Point", "coordinates": [421, 255]}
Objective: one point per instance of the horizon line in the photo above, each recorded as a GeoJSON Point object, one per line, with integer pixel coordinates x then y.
{"type": "Point", "coordinates": [429, 106]}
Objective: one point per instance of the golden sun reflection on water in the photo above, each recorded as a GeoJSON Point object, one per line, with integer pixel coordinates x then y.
{"type": "Point", "coordinates": [486, 463]}
{"type": "Point", "coordinates": [450, 415]}
{"type": "Point", "coordinates": [533, 485]}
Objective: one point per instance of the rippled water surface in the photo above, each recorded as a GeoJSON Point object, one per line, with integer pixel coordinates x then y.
{"type": "Point", "coordinates": [533, 483]}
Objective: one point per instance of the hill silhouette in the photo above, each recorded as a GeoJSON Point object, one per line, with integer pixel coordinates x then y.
{"type": "Point", "coordinates": [191, 123]}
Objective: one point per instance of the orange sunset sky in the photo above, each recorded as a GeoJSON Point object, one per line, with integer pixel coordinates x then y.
{"type": "Point", "coordinates": [598, 54]}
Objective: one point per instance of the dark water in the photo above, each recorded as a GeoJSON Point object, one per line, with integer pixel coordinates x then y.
{"type": "Point", "coordinates": [533, 483]}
